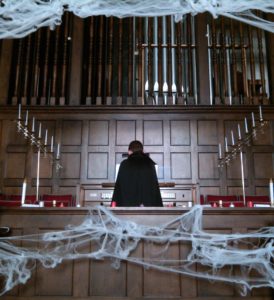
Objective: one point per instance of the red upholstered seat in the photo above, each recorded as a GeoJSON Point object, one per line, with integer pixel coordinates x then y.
{"type": "Point", "coordinates": [256, 199]}
{"type": "Point", "coordinates": [67, 200]}
{"type": "Point", "coordinates": [202, 199]}
{"type": "Point", "coordinates": [2, 197]}
{"type": "Point", "coordinates": [235, 203]}
{"type": "Point", "coordinates": [217, 198]}
{"type": "Point", "coordinates": [10, 203]}
{"type": "Point", "coordinates": [30, 199]}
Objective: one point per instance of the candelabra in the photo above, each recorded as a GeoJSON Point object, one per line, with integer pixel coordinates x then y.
{"type": "Point", "coordinates": [230, 153]}
{"type": "Point", "coordinates": [41, 144]}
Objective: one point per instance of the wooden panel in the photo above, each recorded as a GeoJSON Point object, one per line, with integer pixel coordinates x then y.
{"type": "Point", "coordinates": [125, 132]}
{"type": "Point", "coordinates": [156, 283]}
{"type": "Point", "coordinates": [263, 165]}
{"type": "Point", "coordinates": [207, 133]}
{"type": "Point", "coordinates": [234, 168]}
{"type": "Point", "coordinates": [83, 278]}
{"type": "Point", "coordinates": [14, 137]}
{"type": "Point", "coordinates": [57, 281]}
{"type": "Point", "coordinates": [153, 133]}
{"type": "Point", "coordinates": [233, 126]}
{"type": "Point", "coordinates": [112, 282]}
{"type": "Point", "coordinates": [180, 165]}
{"type": "Point", "coordinates": [265, 137]}
{"type": "Point", "coordinates": [158, 158]}
{"type": "Point", "coordinates": [262, 190]}
{"type": "Point", "coordinates": [208, 166]}
{"type": "Point", "coordinates": [15, 165]}
{"type": "Point", "coordinates": [72, 133]}
{"type": "Point", "coordinates": [207, 289]}
{"type": "Point", "coordinates": [45, 166]}
{"type": "Point", "coordinates": [71, 163]}
{"type": "Point", "coordinates": [235, 190]}
{"type": "Point", "coordinates": [212, 190]}
{"type": "Point", "coordinates": [98, 133]}
{"type": "Point", "coordinates": [97, 165]}
{"type": "Point", "coordinates": [179, 133]}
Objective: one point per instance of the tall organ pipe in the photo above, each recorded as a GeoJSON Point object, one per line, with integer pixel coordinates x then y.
{"type": "Point", "coordinates": [229, 89]}
{"type": "Point", "coordinates": [194, 64]}
{"type": "Point", "coordinates": [146, 56]}
{"type": "Point", "coordinates": [209, 65]}
{"type": "Point", "coordinates": [155, 59]}
{"type": "Point", "coordinates": [164, 42]}
{"type": "Point", "coordinates": [173, 71]}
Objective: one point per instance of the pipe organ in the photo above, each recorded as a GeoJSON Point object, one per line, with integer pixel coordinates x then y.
{"type": "Point", "coordinates": [140, 61]}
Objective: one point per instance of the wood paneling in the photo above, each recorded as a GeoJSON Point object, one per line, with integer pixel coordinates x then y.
{"type": "Point", "coordinates": [207, 132]}
{"type": "Point", "coordinates": [98, 133]}
{"type": "Point", "coordinates": [125, 132]}
{"type": "Point", "coordinates": [262, 165]}
{"type": "Point", "coordinates": [97, 165]}
{"type": "Point", "coordinates": [181, 165]}
{"type": "Point", "coordinates": [153, 133]}
{"type": "Point", "coordinates": [72, 133]}
{"type": "Point", "coordinates": [208, 166]}
{"type": "Point", "coordinates": [183, 143]}
{"type": "Point", "coordinates": [107, 279]}
{"type": "Point", "coordinates": [179, 133]}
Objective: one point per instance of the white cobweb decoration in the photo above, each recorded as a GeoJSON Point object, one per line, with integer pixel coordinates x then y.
{"type": "Point", "coordinates": [116, 239]}
{"type": "Point", "coordinates": [20, 18]}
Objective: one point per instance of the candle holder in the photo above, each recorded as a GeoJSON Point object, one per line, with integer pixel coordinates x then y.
{"type": "Point", "coordinates": [241, 144]}
{"type": "Point", "coordinates": [41, 145]}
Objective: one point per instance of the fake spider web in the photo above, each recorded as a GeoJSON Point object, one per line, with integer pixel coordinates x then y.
{"type": "Point", "coordinates": [20, 18]}
{"type": "Point", "coordinates": [117, 239]}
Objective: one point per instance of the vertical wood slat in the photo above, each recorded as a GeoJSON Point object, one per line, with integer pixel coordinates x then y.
{"type": "Point", "coordinates": [244, 66]}
{"type": "Point", "coordinates": [234, 62]}
{"type": "Point", "coordinates": [262, 65]}
{"type": "Point", "coordinates": [252, 66]}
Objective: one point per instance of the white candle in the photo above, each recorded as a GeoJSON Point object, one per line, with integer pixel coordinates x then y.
{"type": "Point", "coordinates": [46, 137]}
{"type": "Point", "coordinates": [40, 129]}
{"type": "Point", "coordinates": [27, 117]}
{"type": "Point", "coordinates": [232, 138]}
{"type": "Point", "coordinates": [246, 126]}
{"type": "Point", "coordinates": [24, 188]}
{"type": "Point", "coordinates": [226, 146]}
{"type": "Point", "coordinates": [220, 151]}
{"type": "Point", "coordinates": [239, 132]}
{"type": "Point", "coordinates": [51, 144]}
{"type": "Point", "coordinates": [271, 191]}
{"type": "Point", "coordinates": [253, 119]}
{"type": "Point", "coordinates": [19, 111]}
{"type": "Point", "coordinates": [33, 124]}
{"type": "Point", "coordinates": [58, 151]}
{"type": "Point", "coordinates": [260, 113]}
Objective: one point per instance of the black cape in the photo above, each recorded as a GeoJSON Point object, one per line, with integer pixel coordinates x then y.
{"type": "Point", "coordinates": [137, 182]}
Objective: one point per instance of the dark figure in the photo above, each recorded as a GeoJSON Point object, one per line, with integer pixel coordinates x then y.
{"type": "Point", "coordinates": [137, 183]}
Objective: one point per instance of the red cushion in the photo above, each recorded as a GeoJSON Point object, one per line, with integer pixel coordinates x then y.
{"type": "Point", "coordinates": [256, 199]}
{"type": "Point", "coordinates": [10, 203]}
{"type": "Point", "coordinates": [29, 198]}
{"type": "Point", "coordinates": [202, 199]}
{"type": "Point", "coordinates": [217, 198]}
{"type": "Point", "coordinates": [2, 197]}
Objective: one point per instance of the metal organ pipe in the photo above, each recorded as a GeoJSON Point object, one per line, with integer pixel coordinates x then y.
{"type": "Point", "coordinates": [146, 57]}
{"type": "Point", "coordinates": [194, 65]}
{"type": "Point", "coordinates": [229, 89]}
{"type": "Point", "coordinates": [173, 70]}
{"type": "Point", "coordinates": [155, 60]}
{"type": "Point", "coordinates": [209, 66]}
{"type": "Point", "coordinates": [164, 45]}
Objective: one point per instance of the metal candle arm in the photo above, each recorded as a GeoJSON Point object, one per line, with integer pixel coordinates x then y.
{"type": "Point", "coordinates": [37, 142]}
{"type": "Point", "coordinates": [242, 143]}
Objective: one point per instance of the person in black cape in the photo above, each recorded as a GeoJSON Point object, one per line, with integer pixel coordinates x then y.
{"type": "Point", "coordinates": [137, 183]}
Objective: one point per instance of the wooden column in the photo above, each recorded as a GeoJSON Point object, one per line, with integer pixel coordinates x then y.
{"type": "Point", "coordinates": [5, 60]}
{"type": "Point", "coordinates": [270, 45]}
{"type": "Point", "coordinates": [76, 62]}
{"type": "Point", "coordinates": [202, 60]}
